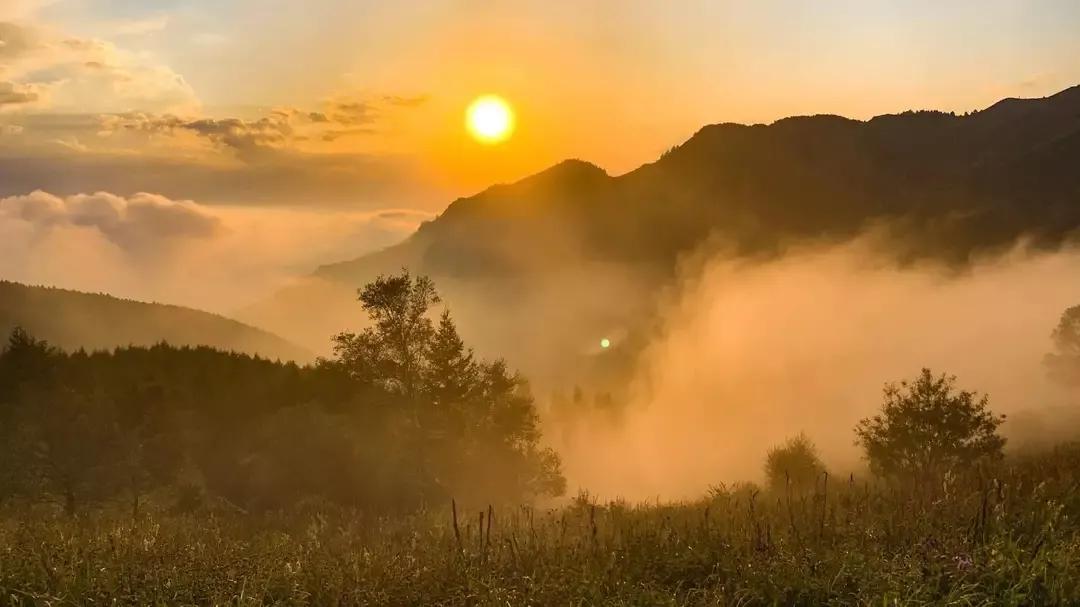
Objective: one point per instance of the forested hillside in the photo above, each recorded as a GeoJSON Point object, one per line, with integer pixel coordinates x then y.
{"type": "Point", "coordinates": [402, 416]}
{"type": "Point", "coordinates": [73, 320]}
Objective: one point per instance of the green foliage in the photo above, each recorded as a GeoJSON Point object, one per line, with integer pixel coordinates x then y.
{"type": "Point", "coordinates": [926, 428]}
{"type": "Point", "coordinates": [794, 466]}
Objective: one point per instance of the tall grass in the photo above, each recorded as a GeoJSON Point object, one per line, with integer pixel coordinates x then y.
{"type": "Point", "coordinates": [1006, 535]}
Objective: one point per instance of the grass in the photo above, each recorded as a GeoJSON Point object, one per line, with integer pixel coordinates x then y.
{"type": "Point", "coordinates": [1006, 536]}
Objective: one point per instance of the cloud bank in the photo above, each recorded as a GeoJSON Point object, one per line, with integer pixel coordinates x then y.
{"type": "Point", "coordinates": [150, 247]}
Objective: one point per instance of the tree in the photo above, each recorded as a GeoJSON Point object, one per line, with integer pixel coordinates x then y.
{"type": "Point", "coordinates": [795, 465]}
{"type": "Point", "coordinates": [303, 452]}
{"type": "Point", "coordinates": [76, 445]}
{"type": "Point", "coordinates": [1064, 363]}
{"type": "Point", "coordinates": [451, 372]}
{"type": "Point", "coordinates": [473, 427]}
{"type": "Point", "coordinates": [505, 459]}
{"type": "Point", "coordinates": [58, 435]}
{"type": "Point", "coordinates": [392, 352]}
{"type": "Point", "coordinates": [23, 362]}
{"type": "Point", "coordinates": [926, 427]}
{"type": "Point", "coordinates": [148, 440]}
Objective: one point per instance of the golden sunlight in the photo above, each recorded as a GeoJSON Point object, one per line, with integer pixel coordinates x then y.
{"type": "Point", "coordinates": [490, 119]}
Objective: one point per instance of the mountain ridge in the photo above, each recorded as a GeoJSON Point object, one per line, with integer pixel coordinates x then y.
{"type": "Point", "coordinates": [948, 187]}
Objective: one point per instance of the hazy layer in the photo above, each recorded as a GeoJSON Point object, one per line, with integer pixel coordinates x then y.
{"type": "Point", "coordinates": [749, 354]}
{"type": "Point", "coordinates": [150, 247]}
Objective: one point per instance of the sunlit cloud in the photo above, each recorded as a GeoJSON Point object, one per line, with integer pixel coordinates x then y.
{"type": "Point", "coordinates": [149, 246]}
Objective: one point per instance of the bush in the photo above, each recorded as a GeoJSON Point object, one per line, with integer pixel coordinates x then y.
{"type": "Point", "coordinates": [794, 466]}
{"type": "Point", "coordinates": [926, 428]}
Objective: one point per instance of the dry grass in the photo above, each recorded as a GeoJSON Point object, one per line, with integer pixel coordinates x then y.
{"type": "Point", "coordinates": [1007, 536]}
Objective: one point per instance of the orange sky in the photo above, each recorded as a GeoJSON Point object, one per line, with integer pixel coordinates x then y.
{"type": "Point", "coordinates": [615, 83]}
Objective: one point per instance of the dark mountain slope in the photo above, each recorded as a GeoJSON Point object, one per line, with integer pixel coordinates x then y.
{"type": "Point", "coordinates": [72, 320]}
{"type": "Point", "coordinates": [949, 187]}
{"type": "Point", "coordinates": [1011, 168]}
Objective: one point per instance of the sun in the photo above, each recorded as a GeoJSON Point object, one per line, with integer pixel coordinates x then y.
{"type": "Point", "coordinates": [490, 119]}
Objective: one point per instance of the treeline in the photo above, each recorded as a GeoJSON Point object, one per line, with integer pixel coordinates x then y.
{"type": "Point", "coordinates": [402, 416]}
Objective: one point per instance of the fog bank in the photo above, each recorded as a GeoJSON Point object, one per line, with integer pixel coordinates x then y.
{"type": "Point", "coordinates": [750, 353]}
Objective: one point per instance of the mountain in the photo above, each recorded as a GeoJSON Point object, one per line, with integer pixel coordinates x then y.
{"type": "Point", "coordinates": [936, 185]}
{"type": "Point", "coordinates": [984, 178]}
{"type": "Point", "coordinates": [72, 320]}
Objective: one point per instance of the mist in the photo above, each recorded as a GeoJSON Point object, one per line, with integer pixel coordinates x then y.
{"type": "Point", "coordinates": [150, 247]}
{"type": "Point", "coordinates": [749, 353]}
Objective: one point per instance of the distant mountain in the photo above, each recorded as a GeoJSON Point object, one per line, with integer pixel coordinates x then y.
{"type": "Point", "coordinates": [980, 180]}
{"type": "Point", "coordinates": [939, 185]}
{"type": "Point", "coordinates": [72, 320]}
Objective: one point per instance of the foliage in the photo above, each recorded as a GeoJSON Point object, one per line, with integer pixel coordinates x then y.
{"type": "Point", "coordinates": [1064, 363]}
{"type": "Point", "coordinates": [794, 466]}
{"type": "Point", "coordinates": [404, 416]}
{"type": "Point", "coordinates": [926, 428]}
{"type": "Point", "coordinates": [472, 424]}
{"type": "Point", "coordinates": [1004, 535]}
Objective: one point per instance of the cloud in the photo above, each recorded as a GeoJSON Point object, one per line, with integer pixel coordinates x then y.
{"type": "Point", "coordinates": [276, 177]}
{"type": "Point", "coordinates": [150, 247]}
{"type": "Point", "coordinates": [13, 94]}
{"type": "Point", "coordinates": [83, 114]}
{"type": "Point", "coordinates": [135, 225]}
{"type": "Point", "coordinates": [16, 42]}
{"type": "Point", "coordinates": [281, 128]}
{"type": "Point", "coordinates": [348, 111]}
{"type": "Point", "coordinates": [244, 136]}
{"type": "Point", "coordinates": [89, 75]}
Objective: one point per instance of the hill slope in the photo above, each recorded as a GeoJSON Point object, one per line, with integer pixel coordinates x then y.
{"type": "Point", "coordinates": [71, 320]}
{"type": "Point", "coordinates": [946, 186]}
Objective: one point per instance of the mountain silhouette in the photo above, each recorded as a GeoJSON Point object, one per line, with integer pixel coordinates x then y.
{"type": "Point", "coordinates": [72, 320]}
{"type": "Point", "coordinates": [937, 185]}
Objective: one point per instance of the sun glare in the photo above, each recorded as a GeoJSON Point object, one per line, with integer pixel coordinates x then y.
{"type": "Point", "coordinates": [490, 119]}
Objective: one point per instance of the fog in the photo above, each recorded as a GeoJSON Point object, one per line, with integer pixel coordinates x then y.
{"type": "Point", "coordinates": [749, 353]}
{"type": "Point", "coordinates": [152, 248]}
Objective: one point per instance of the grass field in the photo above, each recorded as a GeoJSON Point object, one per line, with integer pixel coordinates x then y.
{"type": "Point", "coordinates": [1001, 536]}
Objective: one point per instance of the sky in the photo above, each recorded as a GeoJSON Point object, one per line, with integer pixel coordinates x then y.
{"type": "Point", "coordinates": [350, 112]}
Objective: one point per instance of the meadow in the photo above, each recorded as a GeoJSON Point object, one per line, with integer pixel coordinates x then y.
{"type": "Point", "coordinates": [1003, 534]}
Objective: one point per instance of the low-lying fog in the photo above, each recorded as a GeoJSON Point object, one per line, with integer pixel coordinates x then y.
{"type": "Point", "coordinates": [751, 353]}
